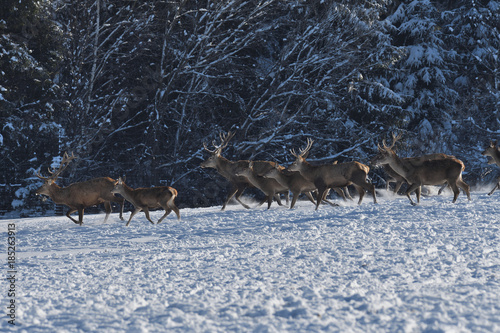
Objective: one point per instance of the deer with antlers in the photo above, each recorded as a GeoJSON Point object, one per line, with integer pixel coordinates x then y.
{"type": "Point", "coordinates": [395, 177]}
{"type": "Point", "coordinates": [228, 169]}
{"type": "Point", "coordinates": [79, 196]}
{"type": "Point", "coordinates": [328, 176]}
{"type": "Point", "coordinates": [421, 171]}
{"type": "Point", "coordinates": [146, 198]}
{"type": "Point", "coordinates": [494, 152]}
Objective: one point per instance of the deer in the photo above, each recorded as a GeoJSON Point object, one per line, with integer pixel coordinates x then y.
{"type": "Point", "coordinates": [146, 198]}
{"type": "Point", "coordinates": [494, 152]}
{"type": "Point", "coordinates": [297, 184]}
{"type": "Point", "coordinates": [394, 177]}
{"type": "Point", "coordinates": [446, 169]}
{"type": "Point", "coordinates": [270, 187]}
{"type": "Point", "coordinates": [79, 196]}
{"type": "Point", "coordinates": [328, 176]}
{"type": "Point", "coordinates": [228, 168]}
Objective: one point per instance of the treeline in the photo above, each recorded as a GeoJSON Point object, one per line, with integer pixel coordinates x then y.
{"type": "Point", "coordinates": [135, 87]}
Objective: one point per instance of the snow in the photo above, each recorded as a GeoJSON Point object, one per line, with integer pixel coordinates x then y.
{"type": "Point", "coordinates": [389, 267]}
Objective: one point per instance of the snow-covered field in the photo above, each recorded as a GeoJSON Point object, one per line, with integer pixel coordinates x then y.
{"type": "Point", "coordinates": [389, 267]}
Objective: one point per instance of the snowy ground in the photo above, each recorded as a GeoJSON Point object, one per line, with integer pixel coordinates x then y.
{"type": "Point", "coordinates": [389, 267]}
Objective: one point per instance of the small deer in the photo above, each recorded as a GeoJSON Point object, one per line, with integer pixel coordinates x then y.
{"type": "Point", "coordinates": [297, 184]}
{"type": "Point", "coordinates": [447, 169]}
{"type": "Point", "coordinates": [81, 195]}
{"type": "Point", "coordinates": [332, 175]}
{"type": "Point", "coordinates": [145, 198]}
{"type": "Point", "coordinates": [270, 187]}
{"type": "Point", "coordinates": [494, 152]}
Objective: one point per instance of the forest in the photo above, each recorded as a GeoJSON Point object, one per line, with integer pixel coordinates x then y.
{"type": "Point", "coordinates": [135, 88]}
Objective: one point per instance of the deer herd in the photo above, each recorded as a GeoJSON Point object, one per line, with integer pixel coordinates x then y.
{"type": "Point", "coordinates": [272, 179]}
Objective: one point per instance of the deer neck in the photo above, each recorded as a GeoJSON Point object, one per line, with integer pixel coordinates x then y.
{"type": "Point", "coordinates": [224, 166]}
{"type": "Point", "coordinates": [281, 179]}
{"type": "Point", "coordinates": [57, 193]}
{"type": "Point", "coordinates": [308, 171]}
{"type": "Point", "coordinates": [252, 178]}
{"type": "Point", "coordinates": [126, 191]}
{"type": "Point", "coordinates": [398, 166]}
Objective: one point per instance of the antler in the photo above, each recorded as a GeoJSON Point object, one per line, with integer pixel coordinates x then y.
{"type": "Point", "coordinates": [395, 138]}
{"type": "Point", "coordinates": [303, 152]}
{"type": "Point", "coordinates": [62, 166]}
{"type": "Point", "coordinates": [224, 140]}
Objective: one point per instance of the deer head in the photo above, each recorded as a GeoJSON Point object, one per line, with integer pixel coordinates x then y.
{"type": "Point", "coordinates": [215, 153]}
{"type": "Point", "coordinates": [300, 158]}
{"type": "Point", "coordinates": [385, 152]}
{"type": "Point", "coordinates": [54, 174]}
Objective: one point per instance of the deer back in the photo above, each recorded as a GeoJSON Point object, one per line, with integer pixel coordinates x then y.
{"type": "Point", "coordinates": [341, 174]}
{"type": "Point", "coordinates": [84, 194]}
{"type": "Point", "coordinates": [434, 172]}
{"type": "Point", "coordinates": [152, 197]}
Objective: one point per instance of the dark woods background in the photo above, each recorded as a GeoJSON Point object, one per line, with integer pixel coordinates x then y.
{"type": "Point", "coordinates": [135, 87]}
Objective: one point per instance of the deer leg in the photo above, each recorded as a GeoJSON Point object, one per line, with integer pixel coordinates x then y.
{"type": "Point", "coordinates": [146, 212]}
{"type": "Point", "coordinates": [310, 197]}
{"type": "Point", "coordinates": [388, 183]}
{"type": "Point", "coordinates": [361, 192]}
{"type": "Point", "coordinates": [262, 202]}
{"type": "Point", "coordinates": [397, 187]}
{"type": "Point", "coordinates": [137, 210]}
{"type": "Point", "coordinates": [229, 197]}
{"type": "Point", "coordinates": [441, 189]}
{"type": "Point", "coordinates": [371, 188]}
{"type": "Point", "coordinates": [278, 199]}
{"type": "Point", "coordinates": [242, 203]}
{"type": "Point", "coordinates": [121, 203]}
{"type": "Point", "coordinates": [107, 207]}
{"type": "Point", "coordinates": [455, 189]}
{"type": "Point", "coordinates": [340, 193]}
{"type": "Point", "coordinates": [80, 216]}
{"type": "Point", "coordinates": [494, 188]}
{"type": "Point", "coordinates": [347, 194]}
{"type": "Point", "coordinates": [172, 206]}
{"type": "Point", "coordinates": [287, 197]}
{"type": "Point", "coordinates": [71, 211]}
{"type": "Point", "coordinates": [269, 201]}
{"type": "Point", "coordinates": [321, 195]}
{"type": "Point", "coordinates": [464, 186]}
{"type": "Point", "coordinates": [412, 188]}
{"type": "Point", "coordinates": [295, 197]}
{"type": "Point", "coordinates": [167, 211]}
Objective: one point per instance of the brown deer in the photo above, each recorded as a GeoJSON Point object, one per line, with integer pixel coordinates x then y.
{"type": "Point", "coordinates": [145, 198]}
{"type": "Point", "coordinates": [394, 177]}
{"type": "Point", "coordinates": [332, 175]}
{"type": "Point", "coordinates": [79, 196]}
{"type": "Point", "coordinates": [447, 169]}
{"type": "Point", "coordinates": [270, 187]}
{"type": "Point", "coordinates": [493, 151]}
{"type": "Point", "coordinates": [297, 184]}
{"type": "Point", "coordinates": [229, 168]}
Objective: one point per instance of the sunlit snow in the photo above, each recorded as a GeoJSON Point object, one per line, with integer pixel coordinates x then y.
{"type": "Point", "coordinates": [389, 267]}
